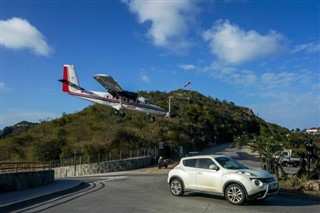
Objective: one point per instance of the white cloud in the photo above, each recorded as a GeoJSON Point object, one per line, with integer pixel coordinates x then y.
{"type": "Point", "coordinates": [309, 47]}
{"type": "Point", "coordinates": [234, 45]}
{"type": "Point", "coordinates": [225, 73]}
{"type": "Point", "coordinates": [4, 87]}
{"type": "Point", "coordinates": [273, 80]}
{"type": "Point", "coordinates": [187, 66]}
{"type": "Point", "coordinates": [285, 106]}
{"type": "Point", "coordinates": [170, 21]}
{"type": "Point", "coordinates": [261, 84]}
{"type": "Point", "coordinates": [145, 78]}
{"type": "Point", "coordinates": [18, 33]}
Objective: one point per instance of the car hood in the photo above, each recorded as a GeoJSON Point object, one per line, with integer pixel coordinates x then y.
{"type": "Point", "coordinates": [258, 173]}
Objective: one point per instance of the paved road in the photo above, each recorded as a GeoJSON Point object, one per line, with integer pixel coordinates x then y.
{"type": "Point", "coordinates": [147, 191]}
{"type": "Point", "coordinates": [150, 193]}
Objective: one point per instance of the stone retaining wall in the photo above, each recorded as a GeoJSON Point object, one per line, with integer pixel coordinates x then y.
{"type": "Point", "coordinates": [23, 180]}
{"type": "Point", "coordinates": [102, 167]}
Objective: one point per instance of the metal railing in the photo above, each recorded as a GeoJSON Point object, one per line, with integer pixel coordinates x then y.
{"type": "Point", "coordinates": [11, 167]}
{"type": "Point", "coordinates": [77, 159]}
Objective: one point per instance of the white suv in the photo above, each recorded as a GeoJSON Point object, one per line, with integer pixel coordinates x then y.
{"type": "Point", "coordinates": [221, 175]}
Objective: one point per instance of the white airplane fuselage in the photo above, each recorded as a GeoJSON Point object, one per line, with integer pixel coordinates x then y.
{"type": "Point", "coordinates": [120, 104]}
{"type": "Point", "coordinates": [120, 100]}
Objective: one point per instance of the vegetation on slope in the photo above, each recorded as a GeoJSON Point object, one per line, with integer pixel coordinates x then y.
{"type": "Point", "coordinates": [196, 121]}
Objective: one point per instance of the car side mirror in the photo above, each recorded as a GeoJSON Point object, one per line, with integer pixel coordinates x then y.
{"type": "Point", "coordinates": [214, 167]}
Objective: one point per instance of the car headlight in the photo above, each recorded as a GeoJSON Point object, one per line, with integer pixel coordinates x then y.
{"type": "Point", "coordinates": [257, 182]}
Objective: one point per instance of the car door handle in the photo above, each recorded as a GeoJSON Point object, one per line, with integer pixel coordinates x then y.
{"type": "Point", "coordinates": [199, 173]}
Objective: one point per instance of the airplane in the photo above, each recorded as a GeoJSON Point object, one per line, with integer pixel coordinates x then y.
{"type": "Point", "coordinates": [115, 96]}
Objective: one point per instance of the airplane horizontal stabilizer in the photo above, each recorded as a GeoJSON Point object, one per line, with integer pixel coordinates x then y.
{"type": "Point", "coordinates": [74, 86]}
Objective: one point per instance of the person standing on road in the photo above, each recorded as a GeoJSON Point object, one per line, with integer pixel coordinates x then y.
{"type": "Point", "coordinates": [160, 162]}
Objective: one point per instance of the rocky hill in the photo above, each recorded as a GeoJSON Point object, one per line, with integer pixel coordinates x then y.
{"type": "Point", "coordinates": [16, 129]}
{"type": "Point", "coordinates": [196, 122]}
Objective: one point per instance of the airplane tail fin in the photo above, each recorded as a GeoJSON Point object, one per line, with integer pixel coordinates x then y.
{"type": "Point", "coordinates": [70, 81]}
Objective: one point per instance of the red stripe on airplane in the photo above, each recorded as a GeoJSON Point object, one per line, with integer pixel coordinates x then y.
{"type": "Point", "coordinates": [65, 86]}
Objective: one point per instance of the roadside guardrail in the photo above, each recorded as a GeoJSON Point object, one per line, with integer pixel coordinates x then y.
{"type": "Point", "coordinates": [12, 167]}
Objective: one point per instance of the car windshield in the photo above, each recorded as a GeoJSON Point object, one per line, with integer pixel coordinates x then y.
{"type": "Point", "coordinates": [229, 163]}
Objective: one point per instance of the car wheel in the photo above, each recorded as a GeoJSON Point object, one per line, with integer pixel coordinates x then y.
{"type": "Point", "coordinates": [235, 194]}
{"type": "Point", "coordinates": [176, 187]}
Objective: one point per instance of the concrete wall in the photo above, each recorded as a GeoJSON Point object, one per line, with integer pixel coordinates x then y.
{"type": "Point", "coordinates": [102, 167]}
{"type": "Point", "coordinates": [23, 180]}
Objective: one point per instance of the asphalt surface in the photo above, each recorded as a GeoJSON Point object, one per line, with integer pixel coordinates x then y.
{"type": "Point", "coordinates": [13, 200]}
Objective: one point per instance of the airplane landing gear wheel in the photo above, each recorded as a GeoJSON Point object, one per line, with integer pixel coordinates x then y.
{"type": "Point", "coordinates": [152, 119]}
{"type": "Point", "coordinates": [122, 113]}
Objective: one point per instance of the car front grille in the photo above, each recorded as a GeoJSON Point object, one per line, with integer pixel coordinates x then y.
{"type": "Point", "coordinates": [271, 191]}
{"type": "Point", "coordinates": [267, 180]}
{"type": "Point", "coordinates": [270, 180]}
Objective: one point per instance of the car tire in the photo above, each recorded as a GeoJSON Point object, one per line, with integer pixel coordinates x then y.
{"type": "Point", "coordinates": [285, 164]}
{"type": "Point", "coordinates": [176, 187]}
{"type": "Point", "coordinates": [235, 194]}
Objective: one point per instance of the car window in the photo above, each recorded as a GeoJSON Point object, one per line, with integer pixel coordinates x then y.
{"type": "Point", "coordinates": [193, 154]}
{"type": "Point", "coordinates": [229, 163]}
{"type": "Point", "coordinates": [204, 163]}
{"type": "Point", "coordinates": [190, 162]}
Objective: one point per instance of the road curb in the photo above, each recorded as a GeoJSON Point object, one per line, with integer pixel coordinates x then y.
{"type": "Point", "coordinates": [294, 194]}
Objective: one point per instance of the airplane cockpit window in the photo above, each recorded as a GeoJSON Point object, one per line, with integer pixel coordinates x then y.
{"type": "Point", "coordinates": [148, 101]}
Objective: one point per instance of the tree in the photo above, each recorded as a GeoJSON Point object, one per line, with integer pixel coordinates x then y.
{"type": "Point", "coordinates": [48, 150]}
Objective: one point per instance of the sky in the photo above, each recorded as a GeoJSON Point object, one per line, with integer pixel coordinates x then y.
{"type": "Point", "coordinates": [264, 55]}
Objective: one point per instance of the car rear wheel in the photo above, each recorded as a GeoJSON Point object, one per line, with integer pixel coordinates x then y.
{"type": "Point", "coordinates": [235, 194]}
{"type": "Point", "coordinates": [176, 187]}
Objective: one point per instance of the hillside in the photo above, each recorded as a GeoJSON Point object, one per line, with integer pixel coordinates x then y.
{"type": "Point", "coordinates": [16, 129]}
{"type": "Point", "coordinates": [196, 121]}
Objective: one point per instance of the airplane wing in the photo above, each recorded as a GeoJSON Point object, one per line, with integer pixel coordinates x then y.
{"type": "Point", "coordinates": [108, 82]}
{"type": "Point", "coordinates": [113, 87]}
